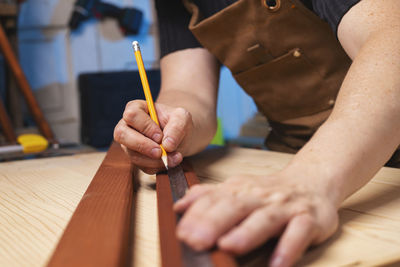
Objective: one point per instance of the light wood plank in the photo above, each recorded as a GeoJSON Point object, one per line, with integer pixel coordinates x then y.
{"type": "Point", "coordinates": [146, 239]}
{"type": "Point", "coordinates": [37, 199]}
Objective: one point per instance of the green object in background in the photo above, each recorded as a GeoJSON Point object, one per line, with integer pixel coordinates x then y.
{"type": "Point", "coordinates": [219, 135]}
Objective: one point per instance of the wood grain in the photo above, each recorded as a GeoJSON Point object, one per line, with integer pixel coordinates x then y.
{"type": "Point", "coordinates": [99, 231]}
{"type": "Point", "coordinates": [37, 198]}
{"type": "Point", "coordinates": [146, 249]}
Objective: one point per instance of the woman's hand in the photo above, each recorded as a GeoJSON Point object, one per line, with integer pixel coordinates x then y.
{"type": "Point", "coordinates": [244, 212]}
{"type": "Point", "coordinates": [141, 137]}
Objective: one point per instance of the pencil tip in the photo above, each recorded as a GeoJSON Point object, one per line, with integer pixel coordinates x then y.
{"type": "Point", "coordinates": [165, 161]}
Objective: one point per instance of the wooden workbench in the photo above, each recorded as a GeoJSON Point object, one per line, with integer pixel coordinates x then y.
{"type": "Point", "coordinates": [38, 197]}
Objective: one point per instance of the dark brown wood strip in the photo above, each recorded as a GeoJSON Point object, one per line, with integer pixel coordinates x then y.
{"type": "Point", "coordinates": [6, 125]}
{"type": "Point", "coordinates": [222, 259]}
{"type": "Point", "coordinates": [170, 246]}
{"type": "Point", "coordinates": [190, 175]}
{"type": "Point", "coordinates": [98, 233]}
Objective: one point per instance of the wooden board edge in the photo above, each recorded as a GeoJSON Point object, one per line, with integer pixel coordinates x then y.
{"type": "Point", "coordinates": [98, 233]}
{"type": "Point", "coordinates": [169, 245]}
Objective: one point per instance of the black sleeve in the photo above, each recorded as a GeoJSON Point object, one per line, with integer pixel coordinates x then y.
{"type": "Point", "coordinates": [173, 21]}
{"type": "Point", "coordinates": [333, 10]}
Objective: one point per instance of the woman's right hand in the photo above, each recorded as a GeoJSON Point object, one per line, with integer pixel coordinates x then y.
{"type": "Point", "coordinates": [141, 137]}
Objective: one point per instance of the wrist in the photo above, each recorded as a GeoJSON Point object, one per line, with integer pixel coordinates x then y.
{"type": "Point", "coordinates": [317, 178]}
{"type": "Point", "coordinates": [200, 136]}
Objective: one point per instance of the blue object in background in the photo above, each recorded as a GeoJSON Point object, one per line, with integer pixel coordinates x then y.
{"type": "Point", "coordinates": [235, 107]}
{"type": "Point", "coordinates": [103, 97]}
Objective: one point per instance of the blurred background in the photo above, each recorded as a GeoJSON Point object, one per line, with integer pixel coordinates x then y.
{"type": "Point", "coordinates": [79, 64]}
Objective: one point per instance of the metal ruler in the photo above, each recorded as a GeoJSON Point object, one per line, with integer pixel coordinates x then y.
{"type": "Point", "coordinates": [179, 186]}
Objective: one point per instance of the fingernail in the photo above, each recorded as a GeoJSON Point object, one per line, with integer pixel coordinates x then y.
{"type": "Point", "coordinates": [168, 141]}
{"type": "Point", "coordinates": [156, 152]}
{"type": "Point", "coordinates": [157, 137]}
{"type": "Point", "coordinates": [276, 261]}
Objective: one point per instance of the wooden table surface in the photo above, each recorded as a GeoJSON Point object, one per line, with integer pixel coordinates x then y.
{"type": "Point", "coordinates": [38, 197]}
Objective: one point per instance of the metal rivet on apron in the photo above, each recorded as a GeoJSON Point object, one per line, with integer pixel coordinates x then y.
{"type": "Point", "coordinates": [331, 102]}
{"type": "Point", "coordinates": [297, 53]}
{"type": "Point", "coordinates": [251, 48]}
{"type": "Point", "coordinates": [272, 5]}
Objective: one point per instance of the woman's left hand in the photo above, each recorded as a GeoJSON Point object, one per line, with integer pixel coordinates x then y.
{"type": "Point", "coordinates": [245, 211]}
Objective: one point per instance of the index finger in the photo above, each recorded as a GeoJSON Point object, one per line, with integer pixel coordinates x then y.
{"type": "Point", "coordinates": [136, 116]}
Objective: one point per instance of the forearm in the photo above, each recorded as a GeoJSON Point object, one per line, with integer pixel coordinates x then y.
{"type": "Point", "coordinates": [363, 129]}
{"type": "Point", "coordinates": [192, 85]}
{"type": "Point", "coordinates": [204, 117]}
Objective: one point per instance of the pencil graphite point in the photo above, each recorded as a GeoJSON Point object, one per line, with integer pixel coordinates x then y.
{"type": "Point", "coordinates": [164, 159]}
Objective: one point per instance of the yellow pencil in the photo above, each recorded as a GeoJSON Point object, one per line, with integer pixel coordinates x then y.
{"type": "Point", "coordinates": [147, 94]}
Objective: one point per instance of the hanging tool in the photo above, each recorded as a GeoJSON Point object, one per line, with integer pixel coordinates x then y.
{"type": "Point", "coordinates": [129, 19]}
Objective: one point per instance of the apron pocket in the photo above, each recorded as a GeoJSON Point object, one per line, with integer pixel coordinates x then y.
{"type": "Point", "coordinates": [287, 87]}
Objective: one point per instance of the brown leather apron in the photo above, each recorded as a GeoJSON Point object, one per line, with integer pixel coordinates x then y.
{"type": "Point", "coordinates": [284, 56]}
